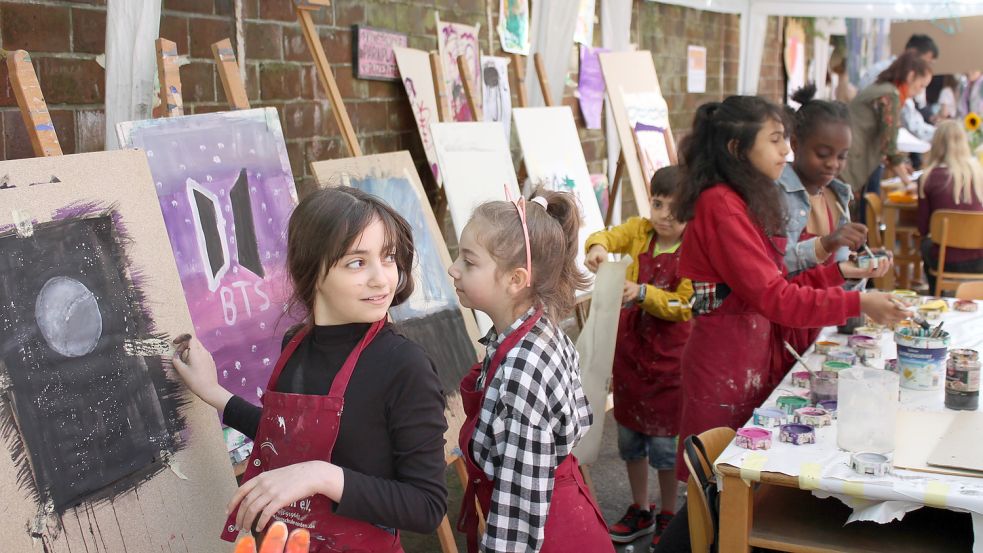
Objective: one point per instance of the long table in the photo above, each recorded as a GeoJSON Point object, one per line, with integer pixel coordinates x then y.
{"type": "Point", "coordinates": [825, 469]}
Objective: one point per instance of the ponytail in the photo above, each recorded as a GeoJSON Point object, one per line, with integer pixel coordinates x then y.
{"type": "Point", "coordinates": [812, 112]}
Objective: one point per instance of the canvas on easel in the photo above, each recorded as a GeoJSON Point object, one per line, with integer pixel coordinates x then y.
{"type": "Point", "coordinates": [417, 78]}
{"type": "Point", "coordinates": [454, 40]}
{"type": "Point", "coordinates": [432, 316]}
{"type": "Point", "coordinates": [106, 451]}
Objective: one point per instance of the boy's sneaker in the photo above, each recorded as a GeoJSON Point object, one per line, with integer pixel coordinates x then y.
{"type": "Point", "coordinates": [635, 523]}
{"type": "Point", "coordinates": [661, 522]}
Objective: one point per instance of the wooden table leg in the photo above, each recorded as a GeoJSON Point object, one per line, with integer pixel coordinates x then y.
{"type": "Point", "coordinates": [736, 505]}
{"type": "Point", "coordinates": [890, 215]}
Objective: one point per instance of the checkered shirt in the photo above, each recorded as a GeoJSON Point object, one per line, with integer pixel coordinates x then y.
{"type": "Point", "coordinates": [532, 415]}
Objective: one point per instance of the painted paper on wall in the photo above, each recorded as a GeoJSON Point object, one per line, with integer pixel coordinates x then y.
{"type": "Point", "coordinates": [432, 316]}
{"type": "Point", "coordinates": [590, 88]}
{"type": "Point", "coordinates": [225, 189]}
{"type": "Point", "coordinates": [373, 49]}
{"type": "Point", "coordinates": [496, 94]}
{"type": "Point", "coordinates": [415, 72]}
{"type": "Point", "coordinates": [513, 26]}
{"type": "Point", "coordinates": [795, 59]}
{"type": "Point", "coordinates": [554, 159]}
{"type": "Point", "coordinates": [583, 33]}
{"type": "Point", "coordinates": [89, 300]}
{"type": "Point", "coordinates": [696, 69]}
{"type": "Point", "coordinates": [653, 152]}
{"type": "Point", "coordinates": [454, 40]}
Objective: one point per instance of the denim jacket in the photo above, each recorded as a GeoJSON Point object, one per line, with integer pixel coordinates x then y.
{"type": "Point", "coordinates": [800, 256]}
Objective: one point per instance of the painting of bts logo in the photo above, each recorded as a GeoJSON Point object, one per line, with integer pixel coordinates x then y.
{"type": "Point", "coordinates": [226, 193]}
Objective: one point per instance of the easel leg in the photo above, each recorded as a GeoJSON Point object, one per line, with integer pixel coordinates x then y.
{"type": "Point", "coordinates": [619, 172]}
{"type": "Point", "coordinates": [446, 536]}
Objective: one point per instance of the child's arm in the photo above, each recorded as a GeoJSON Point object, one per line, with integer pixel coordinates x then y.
{"type": "Point", "coordinates": [669, 305]}
{"type": "Point", "coordinates": [617, 239]}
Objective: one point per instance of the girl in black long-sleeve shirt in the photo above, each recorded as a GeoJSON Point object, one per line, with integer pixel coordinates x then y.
{"type": "Point", "coordinates": [387, 465]}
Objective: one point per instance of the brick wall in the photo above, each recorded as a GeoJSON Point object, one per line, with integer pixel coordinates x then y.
{"type": "Point", "coordinates": [65, 36]}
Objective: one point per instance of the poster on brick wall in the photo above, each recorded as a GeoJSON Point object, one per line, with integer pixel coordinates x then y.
{"type": "Point", "coordinates": [373, 52]}
{"type": "Point", "coordinates": [696, 69]}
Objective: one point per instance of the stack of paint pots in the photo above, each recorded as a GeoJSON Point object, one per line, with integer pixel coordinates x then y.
{"type": "Point", "coordinates": [962, 380]}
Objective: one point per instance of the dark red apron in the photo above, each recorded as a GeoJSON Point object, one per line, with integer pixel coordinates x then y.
{"type": "Point", "coordinates": [295, 428]}
{"type": "Point", "coordinates": [574, 521]}
{"type": "Point", "coordinates": [730, 364]}
{"type": "Point", "coordinates": [646, 362]}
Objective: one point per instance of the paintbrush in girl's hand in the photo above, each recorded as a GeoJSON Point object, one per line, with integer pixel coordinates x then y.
{"type": "Point", "coordinates": [797, 357]}
{"type": "Point", "coordinates": [918, 320]}
{"type": "Point", "coordinates": [873, 258]}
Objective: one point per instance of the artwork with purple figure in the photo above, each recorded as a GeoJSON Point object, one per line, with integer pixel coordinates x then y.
{"type": "Point", "coordinates": [496, 94]}
{"type": "Point", "coordinates": [226, 192]}
{"type": "Point", "coordinates": [454, 40]}
{"type": "Point", "coordinates": [590, 86]}
{"type": "Point", "coordinates": [98, 433]}
{"type": "Point", "coordinates": [432, 316]}
{"type": "Point", "coordinates": [414, 71]}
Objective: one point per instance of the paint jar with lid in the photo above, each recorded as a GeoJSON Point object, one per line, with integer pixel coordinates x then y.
{"type": "Point", "coordinates": [823, 386]}
{"type": "Point", "coordinates": [867, 407]}
{"type": "Point", "coordinates": [921, 359]}
{"type": "Point", "coordinates": [962, 380]}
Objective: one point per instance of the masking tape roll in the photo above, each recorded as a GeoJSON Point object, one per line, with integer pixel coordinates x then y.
{"type": "Point", "coordinates": [936, 494]}
{"type": "Point", "coordinates": [853, 489]}
{"type": "Point", "coordinates": [751, 467]}
{"type": "Point", "coordinates": [809, 474]}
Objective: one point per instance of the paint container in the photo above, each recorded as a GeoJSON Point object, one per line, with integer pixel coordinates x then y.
{"type": "Point", "coordinates": [891, 365]}
{"type": "Point", "coordinates": [823, 386]}
{"type": "Point", "coordinates": [835, 366]}
{"type": "Point", "coordinates": [751, 437]}
{"type": "Point", "coordinates": [826, 346]}
{"type": "Point", "coordinates": [908, 297]}
{"type": "Point", "coordinates": [850, 324]}
{"type": "Point", "coordinates": [869, 331]}
{"type": "Point", "coordinates": [962, 380]}
{"type": "Point", "coordinates": [813, 416]}
{"type": "Point", "coordinates": [842, 355]}
{"type": "Point", "coordinates": [930, 313]}
{"type": "Point", "coordinates": [830, 406]}
{"type": "Point", "coordinates": [868, 352]}
{"type": "Point", "coordinates": [921, 359]}
{"type": "Point", "coordinates": [800, 379]}
{"type": "Point", "coordinates": [866, 262]}
{"type": "Point", "coordinates": [966, 306]}
{"type": "Point", "coordinates": [859, 339]}
{"type": "Point", "coordinates": [867, 406]}
{"type": "Point", "coordinates": [870, 464]}
{"type": "Point", "coordinates": [797, 434]}
{"type": "Point", "coordinates": [790, 403]}
{"type": "Point", "coordinates": [769, 417]}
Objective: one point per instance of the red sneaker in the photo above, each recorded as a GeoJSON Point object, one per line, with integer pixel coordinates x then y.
{"type": "Point", "coordinates": [661, 522]}
{"type": "Point", "coordinates": [634, 524]}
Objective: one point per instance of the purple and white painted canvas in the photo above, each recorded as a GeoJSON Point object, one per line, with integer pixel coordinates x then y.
{"type": "Point", "coordinates": [226, 192]}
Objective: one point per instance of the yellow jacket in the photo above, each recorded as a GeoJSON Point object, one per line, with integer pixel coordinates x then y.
{"type": "Point", "coordinates": [632, 238]}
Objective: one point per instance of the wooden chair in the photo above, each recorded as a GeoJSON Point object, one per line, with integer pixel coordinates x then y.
{"type": "Point", "coordinates": [967, 233]}
{"type": "Point", "coordinates": [701, 523]}
{"type": "Point", "coordinates": [970, 291]}
{"type": "Point", "coordinates": [907, 251]}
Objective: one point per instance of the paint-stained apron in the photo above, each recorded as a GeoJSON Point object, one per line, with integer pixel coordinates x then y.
{"type": "Point", "coordinates": [646, 376]}
{"type": "Point", "coordinates": [574, 521]}
{"type": "Point", "coordinates": [295, 428]}
{"type": "Point", "coordinates": [729, 365]}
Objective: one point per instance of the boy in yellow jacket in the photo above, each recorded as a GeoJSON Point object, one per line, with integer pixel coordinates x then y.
{"type": "Point", "coordinates": [652, 332]}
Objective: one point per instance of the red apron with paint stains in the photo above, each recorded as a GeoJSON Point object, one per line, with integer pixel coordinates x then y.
{"type": "Point", "coordinates": [646, 375]}
{"type": "Point", "coordinates": [574, 521]}
{"type": "Point", "coordinates": [295, 428]}
{"type": "Point", "coordinates": [730, 365]}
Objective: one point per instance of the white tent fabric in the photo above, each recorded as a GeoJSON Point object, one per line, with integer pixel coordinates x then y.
{"type": "Point", "coordinates": [553, 24]}
{"type": "Point", "coordinates": [130, 63]}
{"type": "Point", "coordinates": [615, 36]}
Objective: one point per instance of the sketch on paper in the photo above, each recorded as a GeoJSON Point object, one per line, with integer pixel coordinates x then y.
{"type": "Point", "coordinates": [226, 192]}
{"type": "Point", "coordinates": [583, 32]}
{"type": "Point", "coordinates": [415, 72]}
{"type": "Point", "coordinates": [513, 26]}
{"type": "Point", "coordinates": [590, 86]}
{"type": "Point", "coordinates": [496, 94]}
{"type": "Point", "coordinates": [89, 418]}
{"type": "Point", "coordinates": [454, 40]}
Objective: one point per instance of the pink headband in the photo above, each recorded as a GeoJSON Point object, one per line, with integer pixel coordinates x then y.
{"type": "Point", "coordinates": [520, 206]}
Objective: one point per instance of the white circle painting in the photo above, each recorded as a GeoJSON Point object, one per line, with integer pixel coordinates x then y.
{"type": "Point", "coordinates": [68, 315]}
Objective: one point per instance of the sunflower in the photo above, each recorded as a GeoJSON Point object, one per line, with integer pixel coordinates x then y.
{"type": "Point", "coordinates": [972, 122]}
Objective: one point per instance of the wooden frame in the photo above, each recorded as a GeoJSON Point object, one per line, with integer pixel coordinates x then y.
{"type": "Point", "coordinates": [171, 101]}
{"type": "Point", "coordinates": [33, 108]}
{"type": "Point", "coordinates": [228, 71]}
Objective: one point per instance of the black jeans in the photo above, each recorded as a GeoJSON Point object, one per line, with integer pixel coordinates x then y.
{"type": "Point", "coordinates": [932, 262]}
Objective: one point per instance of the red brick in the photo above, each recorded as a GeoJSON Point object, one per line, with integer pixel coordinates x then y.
{"type": "Point", "coordinates": [283, 81]}
{"type": "Point", "coordinates": [300, 120]}
{"type": "Point", "coordinates": [252, 82]}
{"type": "Point", "coordinates": [175, 28]}
{"type": "Point", "coordinates": [34, 28]}
{"type": "Point", "coordinates": [294, 45]}
{"type": "Point", "coordinates": [198, 82]}
{"type": "Point", "coordinates": [264, 41]}
{"type": "Point", "coordinates": [18, 145]}
{"type": "Point", "coordinates": [3, 141]}
{"type": "Point", "coordinates": [225, 7]}
{"type": "Point", "coordinates": [282, 10]}
{"type": "Point", "coordinates": [204, 32]}
{"type": "Point", "coordinates": [71, 81]}
{"type": "Point", "coordinates": [337, 44]}
{"type": "Point", "coordinates": [295, 152]}
{"type": "Point", "coordinates": [250, 9]}
{"type": "Point", "coordinates": [210, 108]}
{"type": "Point", "coordinates": [89, 31]}
{"type": "Point", "coordinates": [346, 81]}
{"type": "Point", "coordinates": [7, 97]}
{"type": "Point", "coordinates": [349, 12]}
{"type": "Point", "coordinates": [90, 127]}
{"type": "Point", "coordinates": [91, 2]}
{"type": "Point", "coordinates": [401, 118]}
{"type": "Point", "coordinates": [368, 117]}
{"type": "Point", "coordinates": [195, 6]}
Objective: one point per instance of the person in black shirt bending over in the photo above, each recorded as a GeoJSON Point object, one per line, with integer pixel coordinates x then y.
{"type": "Point", "coordinates": [349, 443]}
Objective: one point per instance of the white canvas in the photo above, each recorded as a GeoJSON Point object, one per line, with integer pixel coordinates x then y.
{"type": "Point", "coordinates": [415, 72]}
{"type": "Point", "coordinates": [554, 158]}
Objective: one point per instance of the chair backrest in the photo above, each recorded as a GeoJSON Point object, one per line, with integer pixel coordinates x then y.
{"type": "Point", "coordinates": [965, 228]}
{"type": "Point", "coordinates": [700, 517]}
{"type": "Point", "coordinates": [874, 237]}
{"type": "Point", "coordinates": [970, 291]}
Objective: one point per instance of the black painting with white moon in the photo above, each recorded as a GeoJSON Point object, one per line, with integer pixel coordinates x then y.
{"type": "Point", "coordinates": [88, 417]}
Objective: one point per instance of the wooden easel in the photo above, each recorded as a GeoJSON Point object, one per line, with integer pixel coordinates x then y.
{"type": "Point", "coordinates": [228, 71]}
{"type": "Point", "coordinates": [304, 9]}
{"type": "Point", "coordinates": [33, 108]}
{"type": "Point", "coordinates": [171, 102]}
